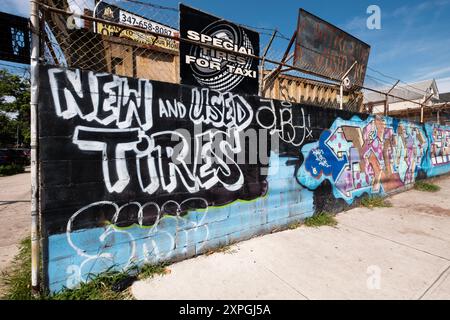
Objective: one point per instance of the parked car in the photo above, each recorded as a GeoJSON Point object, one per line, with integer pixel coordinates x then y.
{"type": "Point", "coordinates": [5, 157]}
{"type": "Point", "coordinates": [24, 154]}
{"type": "Point", "coordinates": [19, 157]}
{"type": "Point", "coordinates": [16, 156]}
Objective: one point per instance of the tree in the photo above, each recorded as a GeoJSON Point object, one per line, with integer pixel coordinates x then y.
{"type": "Point", "coordinates": [14, 109]}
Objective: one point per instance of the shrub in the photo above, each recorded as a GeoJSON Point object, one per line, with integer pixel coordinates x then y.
{"type": "Point", "coordinates": [10, 169]}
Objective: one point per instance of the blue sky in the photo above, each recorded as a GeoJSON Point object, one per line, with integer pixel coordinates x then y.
{"type": "Point", "coordinates": [413, 43]}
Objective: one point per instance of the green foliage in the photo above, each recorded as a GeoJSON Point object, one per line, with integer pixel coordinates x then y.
{"type": "Point", "coordinates": [10, 169]}
{"type": "Point", "coordinates": [109, 285]}
{"type": "Point", "coordinates": [375, 202]}
{"type": "Point", "coordinates": [426, 186]}
{"type": "Point", "coordinates": [321, 219]}
{"type": "Point", "coordinates": [100, 287]}
{"type": "Point", "coordinates": [17, 279]}
{"type": "Point", "coordinates": [14, 99]}
{"type": "Point", "coordinates": [294, 225]}
{"type": "Point", "coordinates": [149, 270]}
{"type": "Point", "coordinates": [222, 249]}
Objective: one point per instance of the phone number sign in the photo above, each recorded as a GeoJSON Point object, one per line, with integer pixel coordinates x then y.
{"type": "Point", "coordinates": [118, 15]}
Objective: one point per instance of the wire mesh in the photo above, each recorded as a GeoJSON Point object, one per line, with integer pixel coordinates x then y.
{"type": "Point", "coordinates": [111, 43]}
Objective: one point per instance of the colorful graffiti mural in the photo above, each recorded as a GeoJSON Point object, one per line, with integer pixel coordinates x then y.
{"type": "Point", "coordinates": [136, 171]}
{"type": "Point", "coordinates": [439, 152]}
{"type": "Point", "coordinates": [373, 156]}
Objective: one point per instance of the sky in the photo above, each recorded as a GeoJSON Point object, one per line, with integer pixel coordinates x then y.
{"type": "Point", "coordinates": [413, 43]}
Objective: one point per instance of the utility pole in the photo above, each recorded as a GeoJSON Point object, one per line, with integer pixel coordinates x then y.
{"type": "Point", "coordinates": [35, 238]}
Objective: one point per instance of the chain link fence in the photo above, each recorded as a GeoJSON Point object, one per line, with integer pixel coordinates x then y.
{"type": "Point", "coordinates": [137, 38]}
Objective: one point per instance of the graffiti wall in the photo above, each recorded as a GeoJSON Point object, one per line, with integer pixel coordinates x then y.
{"type": "Point", "coordinates": [136, 171]}
{"type": "Point", "coordinates": [371, 156]}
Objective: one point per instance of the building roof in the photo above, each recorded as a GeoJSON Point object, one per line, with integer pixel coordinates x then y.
{"type": "Point", "coordinates": [412, 91]}
{"type": "Point", "coordinates": [444, 97]}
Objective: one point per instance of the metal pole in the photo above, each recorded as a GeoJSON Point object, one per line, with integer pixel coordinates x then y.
{"type": "Point", "coordinates": [270, 78]}
{"type": "Point", "coordinates": [341, 103]}
{"type": "Point", "coordinates": [35, 252]}
{"type": "Point", "coordinates": [386, 102]}
{"type": "Point", "coordinates": [94, 13]}
{"type": "Point", "coordinates": [263, 61]}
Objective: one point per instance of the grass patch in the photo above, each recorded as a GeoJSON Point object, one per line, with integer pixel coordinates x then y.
{"type": "Point", "coordinates": [105, 286]}
{"type": "Point", "coordinates": [321, 219]}
{"type": "Point", "coordinates": [149, 270]}
{"type": "Point", "coordinates": [109, 285]}
{"type": "Point", "coordinates": [222, 249]}
{"type": "Point", "coordinates": [294, 225]}
{"type": "Point", "coordinates": [375, 202]}
{"type": "Point", "coordinates": [16, 281]}
{"type": "Point", "coordinates": [10, 169]}
{"type": "Point", "coordinates": [426, 186]}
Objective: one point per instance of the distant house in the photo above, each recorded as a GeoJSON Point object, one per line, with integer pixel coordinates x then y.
{"type": "Point", "coordinates": [424, 92]}
{"type": "Point", "coordinates": [444, 97]}
{"type": "Point", "coordinates": [443, 108]}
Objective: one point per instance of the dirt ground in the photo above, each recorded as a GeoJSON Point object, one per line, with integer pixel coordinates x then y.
{"type": "Point", "coordinates": [15, 193]}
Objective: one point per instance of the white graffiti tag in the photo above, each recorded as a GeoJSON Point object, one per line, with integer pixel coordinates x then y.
{"type": "Point", "coordinates": [159, 233]}
{"type": "Point", "coordinates": [292, 130]}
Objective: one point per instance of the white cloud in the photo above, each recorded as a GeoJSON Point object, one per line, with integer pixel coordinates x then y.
{"type": "Point", "coordinates": [433, 71]}
{"type": "Point", "coordinates": [356, 24]}
{"type": "Point", "coordinates": [443, 84]}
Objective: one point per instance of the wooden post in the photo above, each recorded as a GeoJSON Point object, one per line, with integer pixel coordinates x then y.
{"type": "Point", "coordinates": [421, 113]}
{"type": "Point", "coordinates": [386, 107]}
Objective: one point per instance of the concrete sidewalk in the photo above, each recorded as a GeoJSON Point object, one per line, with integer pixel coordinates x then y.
{"type": "Point", "coordinates": [401, 252]}
{"type": "Point", "coordinates": [15, 221]}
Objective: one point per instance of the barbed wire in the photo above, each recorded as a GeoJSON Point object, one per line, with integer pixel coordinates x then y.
{"type": "Point", "coordinates": [125, 56]}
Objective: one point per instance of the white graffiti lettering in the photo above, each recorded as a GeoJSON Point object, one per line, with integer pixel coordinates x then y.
{"type": "Point", "coordinates": [281, 121]}
{"type": "Point", "coordinates": [103, 98]}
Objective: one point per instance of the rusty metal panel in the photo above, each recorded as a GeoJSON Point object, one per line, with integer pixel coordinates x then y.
{"type": "Point", "coordinates": [325, 49]}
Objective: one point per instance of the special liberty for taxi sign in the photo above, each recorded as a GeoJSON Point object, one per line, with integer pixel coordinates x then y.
{"type": "Point", "coordinates": [212, 66]}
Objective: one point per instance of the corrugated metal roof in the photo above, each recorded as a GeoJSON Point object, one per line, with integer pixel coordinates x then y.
{"type": "Point", "coordinates": [413, 91]}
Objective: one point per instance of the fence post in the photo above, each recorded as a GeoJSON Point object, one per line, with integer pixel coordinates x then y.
{"type": "Point", "coordinates": [386, 106]}
{"type": "Point", "coordinates": [421, 113]}
{"type": "Point", "coordinates": [34, 79]}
